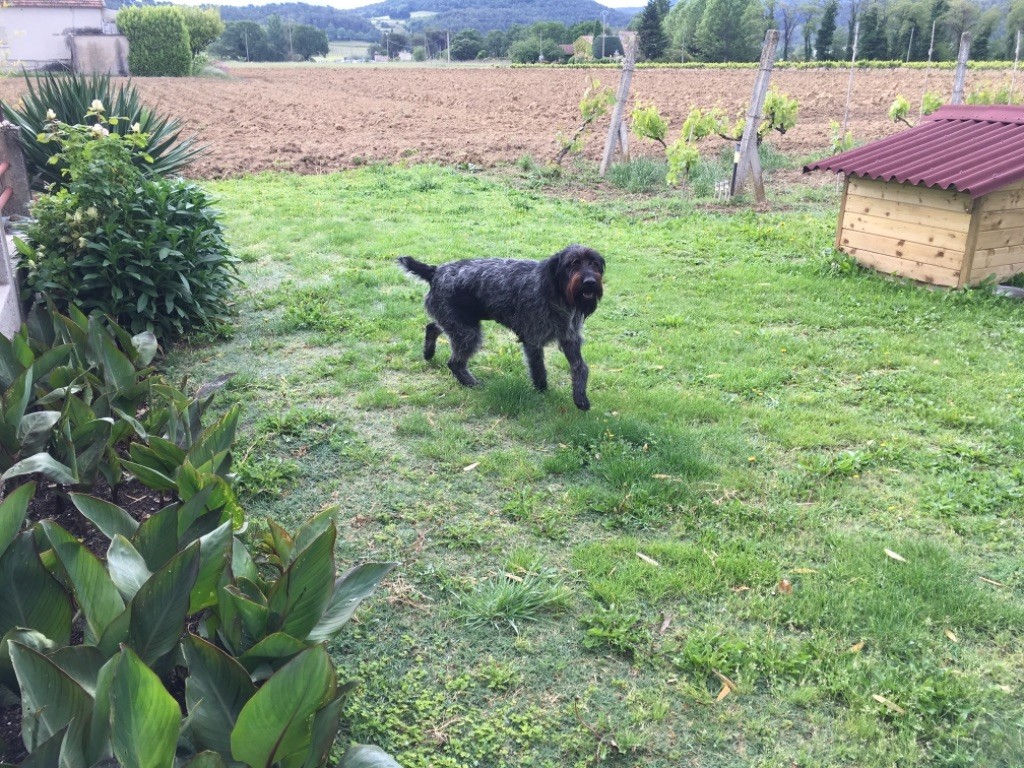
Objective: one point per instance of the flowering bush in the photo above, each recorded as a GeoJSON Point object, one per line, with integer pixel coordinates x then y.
{"type": "Point", "coordinates": [149, 252]}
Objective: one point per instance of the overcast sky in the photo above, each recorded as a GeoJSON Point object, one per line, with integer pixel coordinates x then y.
{"type": "Point", "coordinates": [361, 3]}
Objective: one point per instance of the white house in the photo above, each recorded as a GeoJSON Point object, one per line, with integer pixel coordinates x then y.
{"type": "Point", "coordinates": [35, 34]}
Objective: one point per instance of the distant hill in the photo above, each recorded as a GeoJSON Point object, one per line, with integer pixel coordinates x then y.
{"type": "Point", "coordinates": [340, 25]}
{"type": "Point", "coordinates": [486, 15]}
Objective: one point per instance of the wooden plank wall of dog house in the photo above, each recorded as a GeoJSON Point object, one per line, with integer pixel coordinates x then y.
{"type": "Point", "coordinates": [916, 232]}
{"type": "Point", "coordinates": [1000, 247]}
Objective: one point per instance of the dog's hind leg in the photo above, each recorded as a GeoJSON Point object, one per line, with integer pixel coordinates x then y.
{"type": "Point", "coordinates": [430, 340]}
{"type": "Point", "coordinates": [535, 360]}
{"type": "Point", "coordinates": [465, 341]}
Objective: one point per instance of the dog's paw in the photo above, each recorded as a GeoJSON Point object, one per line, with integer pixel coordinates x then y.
{"type": "Point", "coordinates": [582, 402]}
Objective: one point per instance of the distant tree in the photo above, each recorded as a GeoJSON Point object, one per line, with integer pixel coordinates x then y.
{"type": "Point", "coordinates": [872, 43]}
{"type": "Point", "coordinates": [496, 44]}
{"type": "Point", "coordinates": [681, 24]}
{"type": "Point", "coordinates": [808, 16]}
{"type": "Point", "coordinates": [729, 30]}
{"type": "Point", "coordinates": [203, 25]}
{"type": "Point", "coordinates": [528, 51]}
{"type": "Point", "coordinates": [981, 45]}
{"type": "Point", "coordinates": [826, 31]}
{"type": "Point", "coordinates": [584, 28]}
{"type": "Point", "coordinates": [242, 40]}
{"type": "Point", "coordinates": [555, 31]}
{"type": "Point", "coordinates": [419, 53]}
{"type": "Point", "coordinates": [277, 38]}
{"type": "Point", "coordinates": [307, 41]}
{"type": "Point", "coordinates": [786, 13]}
{"type": "Point", "coordinates": [960, 17]}
{"type": "Point", "coordinates": [466, 45]}
{"type": "Point", "coordinates": [652, 39]}
{"type": "Point", "coordinates": [1014, 21]}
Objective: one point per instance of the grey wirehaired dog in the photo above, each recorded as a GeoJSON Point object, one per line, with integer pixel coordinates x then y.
{"type": "Point", "coordinates": [539, 301]}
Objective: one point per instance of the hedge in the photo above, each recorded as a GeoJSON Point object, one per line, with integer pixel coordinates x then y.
{"type": "Point", "coordinates": [158, 42]}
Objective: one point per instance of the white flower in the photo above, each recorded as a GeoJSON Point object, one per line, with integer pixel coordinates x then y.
{"type": "Point", "coordinates": [96, 106]}
{"type": "Point", "coordinates": [51, 115]}
{"type": "Point", "coordinates": [136, 128]}
{"type": "Point", "coordinates": [82, 242]}
{"type": "Point", "coordinates": [98, 130]}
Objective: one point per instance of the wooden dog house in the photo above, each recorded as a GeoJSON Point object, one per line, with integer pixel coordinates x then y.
{"type": "Point", "coordinates": [942, 202]}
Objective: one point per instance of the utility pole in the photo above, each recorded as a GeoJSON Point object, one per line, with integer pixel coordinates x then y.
{"type": "Point", "coordinates": [448, 42]}
{"type": "Point", "coordinates": [911, 44]}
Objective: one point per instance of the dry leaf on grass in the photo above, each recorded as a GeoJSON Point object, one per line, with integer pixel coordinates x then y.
{"type": "Point", "coordinates": [785, 587]}
{"type": "Point", "coordinates": [895, 556]}
{"type": "Point", "coordinates": [471, 467]}
{"type": "Point", "coordinates": [856, 647]}
{"type": "Point", "coordinates": [894, 707]}
{"type": "Point", "coordinates": [951, 636]}
{"type": "Point", "coordinates": [648, 560]}
{"type": "Point", "coordinates": [992, 581]}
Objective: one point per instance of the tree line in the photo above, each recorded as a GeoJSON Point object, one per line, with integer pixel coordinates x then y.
{"type": "Point", "coordinates": [823, 30]}
{"type": "Point", "coordinates": [276, 40]}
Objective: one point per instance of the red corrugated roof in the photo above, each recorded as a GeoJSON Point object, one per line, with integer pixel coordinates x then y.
{"type": "Point", "coordinates": [967, 148]}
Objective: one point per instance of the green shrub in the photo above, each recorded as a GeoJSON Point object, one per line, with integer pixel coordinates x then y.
{"type": "Point", "coordinates": [69, 98]}
{"type": "Point", "coordinates": [158, 42]}
{"type": "Point", "coordinates": [148, 252]}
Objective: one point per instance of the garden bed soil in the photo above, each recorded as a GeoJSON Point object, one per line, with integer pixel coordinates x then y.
{"type": "Point", "coordinates": [321, 117]}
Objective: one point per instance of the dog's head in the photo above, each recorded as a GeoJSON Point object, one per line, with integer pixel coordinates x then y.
{"type": "Point", "coordinates": [577, 272]}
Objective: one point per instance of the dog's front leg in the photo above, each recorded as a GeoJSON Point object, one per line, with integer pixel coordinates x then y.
{"type": "Point", "coordinates": [535, 359]}
{"type": "Point", "coordinates": [578, 370]}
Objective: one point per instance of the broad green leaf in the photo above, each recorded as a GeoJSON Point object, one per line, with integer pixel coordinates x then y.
{"type": "Point", "coordinates": [311, 530]}
{"type": "Point", "coordinates": [50, 697]}
{"type": "Point", "coordinates": [116, 633]}
{"type": "Point", "coordinates": [150, 478]}
{"type": "Point", "coordinates": [127, 567]}
{"type": "Point", "coordinates": [73, 747]}
{"type": "Point", "coordinates": [99, 735]}
{"type": "Point", "coordinates": [34, 430]}
{"type": "Point", "coordinates": [82, 662]}
{"type": "Point", "coordinates": [326, 723]}
{"type": "Point", "coordinates": [254, 616]}
{"type": "Point", "coordinates": [277, 722]}
{"type": "Point", "coordinates": [13, 510]}
{"type": "Point", "coordinates": [298, 599]}
{"type": "Point", "coordinates": [213, 559]}
{"type": "Point", "coordinates": [146, 346]}
{"type": "Point", "coordinates": [39, 602]}
{"type": "Point", "coordinates": [206, 760]}
{"type": "Point", "coordinates": [272, 650]}
{"type": "Point", "coordinates": [216, 689]}
{"type": "Point", "coordinates": [144, 717]}
{"type": "Point", "coordinates": [367, 756]}
{"type": "Point", "coordinates": [168, 453]}
{"type": "Point", "coordinates": [109, 518]}
{"type": "Point", "coordinates": [160, 607]}
{"type": "Point", "coordinates": [118, 370]}
{"type": "Point", "coordinates": [46, 754]}
{"type": "Point", "coordinates": [157, 537]}
{"type": "Point", "coordinates": [193, 509]}
{"type": "Point", "coordinates": [44, 464]}
{"type": "Point", "coordinates": [27, 637]}
{"type": "Point", "coordinates": [95, 592]}
{"type": "Point", "coordinates": [215, 439]}
{"type": "Point", "coordinates": [350, 590]}
{"type": "Point", "coordinates": [282, 541]}
{"type": "Point", "coordinates": [17, 397]}
{"type": "Point", "coordinates": [242, 564]}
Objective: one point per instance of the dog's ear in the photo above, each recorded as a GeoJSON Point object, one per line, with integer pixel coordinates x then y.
{"type": "Point", "coordinates": [554, 264]}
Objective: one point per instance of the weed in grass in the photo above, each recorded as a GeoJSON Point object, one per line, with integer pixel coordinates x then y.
{"type": "Point", "coordinates": [265, 475]}
{"type": "Point", "coordinates": [294, 421]}
{"type": "Point", "coordinates": [525, 591]}
{"type": "Point", "coordinates": [622, 631]}
{"type": "Point", "coordinates": [639, 175]}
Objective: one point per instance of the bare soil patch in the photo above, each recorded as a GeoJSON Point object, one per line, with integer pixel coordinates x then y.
{"type": "Point", "coordinates": [317, 119]}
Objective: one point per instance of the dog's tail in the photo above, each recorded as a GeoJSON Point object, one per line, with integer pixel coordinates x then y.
{"type": "Point", "coordinates": [418, 268]}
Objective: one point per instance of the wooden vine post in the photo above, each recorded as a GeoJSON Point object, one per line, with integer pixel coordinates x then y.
{"type": "Point", "coordinates": [748, 160]}
{"type": "Point", "coordinates": [617, 133]}
{"type": "Point", "coordinates": [961, 69]}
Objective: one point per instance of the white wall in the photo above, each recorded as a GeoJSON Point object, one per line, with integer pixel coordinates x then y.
{"type": "Point", "coordinates": [34, 37]}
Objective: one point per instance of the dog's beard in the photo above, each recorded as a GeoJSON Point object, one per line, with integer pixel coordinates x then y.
{"type": "Point", "coordinates": [578, 297]}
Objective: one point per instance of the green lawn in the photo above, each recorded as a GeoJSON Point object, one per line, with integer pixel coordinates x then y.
{"type": "Point", "coordinates": [787, 534]}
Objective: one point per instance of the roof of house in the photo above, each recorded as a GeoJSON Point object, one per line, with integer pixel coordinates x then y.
{"type": "Point", "coordinates": [970, 149]}
{"type": "Point", "coordinates": [71, 4]}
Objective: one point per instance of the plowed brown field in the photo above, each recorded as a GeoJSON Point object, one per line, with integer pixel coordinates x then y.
{"type": "Point", "coordinates": [318, 118]}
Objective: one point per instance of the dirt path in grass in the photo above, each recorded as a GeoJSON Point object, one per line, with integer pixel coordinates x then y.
{"type": "Point", "coordinates": [319, 118]}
